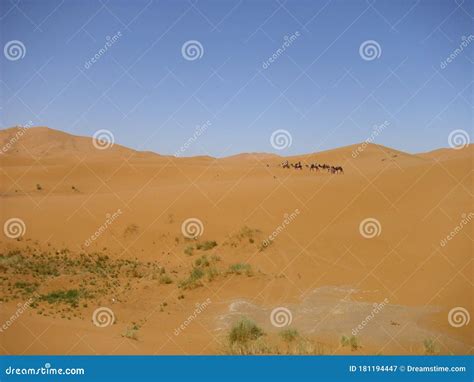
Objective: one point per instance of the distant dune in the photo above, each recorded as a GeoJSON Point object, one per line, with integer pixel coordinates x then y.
{"type": "Point", "coordinates": [270, 238]}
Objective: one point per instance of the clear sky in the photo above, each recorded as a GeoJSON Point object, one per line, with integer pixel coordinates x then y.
{"type": "Point", "coordinates": [322, 88]}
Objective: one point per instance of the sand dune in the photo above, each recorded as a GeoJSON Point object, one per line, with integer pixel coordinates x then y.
{"type": "Point", "coordinates": [64, 190]}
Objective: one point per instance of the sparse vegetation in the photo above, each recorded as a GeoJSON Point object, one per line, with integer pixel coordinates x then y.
{"type": "Point", "coordinates": [207, 266]}
{"type": "Point", "coordinates": [165, 279]}
{"type": "Point", "coordinates": [29, 272]}
{"type": "Point", "coordinates": [202, 262]}
{"type": "Point", "coordinates": [244, 331]}
{"type": "Point", "coordinates": [257, 347]}
{"type": "Point", "coordinates": [38, 187]}
{"type": "Point", "coordinates": [206, 245]}
{"type": "Point", "coordinates": [304, 346]}
{"type": "Point", "coordinates": [189, 250]}
{"type": "Point", "coordinates": [245, 234]}
{"type": "Point", "coordinates": [193, 280]}
{"type": "Point", "coordinates": [26, 287]}
{"type": "Point", "coordinates": [246, 338]}
{"type": "Point", "coordinates": [289, 335]}
{"type": "Point", "coordinates": [350, 341]}
{"type": "Point", "coordinates": [240, 268]}
{"type": "Point", "coordinates": [70, 297]}
{"type": "Point", "coordinates": [430, 346]}
{"type": "Point", "coordinates": [212, 273]}
{"type": "Point", "coordinates": [132, 332]}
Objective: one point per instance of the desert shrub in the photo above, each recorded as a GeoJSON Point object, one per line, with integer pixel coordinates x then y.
{"type": "Point", "coordinates": [289, 335]}
{"type": "Point", "coordinates": [71, 297]}
{"type": "Point", "coordinates": [350, 341]}
{"type": "Point", "coordinates": [212, 273]}
{"type": "Point", "coordinates": [303, 346]}
{"type": "Point", "coordinates": [165, 279]}
{"type": "Point", "coordinates": [202, 262]}
{"type": "Point", "coordinates": [26, 287]}
{"type": "Point", "coordinates": [257, 347]}
{"type": "Point", "coordinates": [193, 280]}
{"type": "Point", "coordinates": [240, 268]}
{"type": "Point", "coordinates": [189, 250]}
{"type": "Point", "coordinates": [131, 332]}
{"type": "Point", "coordinates": [206, 245]}
{"type": "Point", "coordinates": [243, 331]}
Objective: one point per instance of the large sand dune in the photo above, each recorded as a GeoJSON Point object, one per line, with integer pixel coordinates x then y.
{"type": "Point", "coordinates": [317, 265]}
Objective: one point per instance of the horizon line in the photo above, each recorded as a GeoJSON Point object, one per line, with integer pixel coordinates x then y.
{"type": "Point", "coordinates": [366, 142]}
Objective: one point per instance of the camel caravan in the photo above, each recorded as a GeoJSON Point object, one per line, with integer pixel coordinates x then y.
{"type": "Point", "coordinates": [314, 167]}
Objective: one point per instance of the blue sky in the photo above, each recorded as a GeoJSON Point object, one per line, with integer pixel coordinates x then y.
{"type": "Point", "coordinates": [320, 88]}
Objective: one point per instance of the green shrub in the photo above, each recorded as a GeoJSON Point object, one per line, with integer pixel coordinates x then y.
{"type": "Point", "coordinates": [131, 332]}
{"type": "Point", "coordinates": [206, 246]}
{"type": "Point", "coordinates": [212, 273]}
{"type": "Point", "coordinates": [193, 281]}
{"type": "Point", "coordinates": [244, 331]}
{"type": "Point", "coordinates": [165, 279]}
{"type": "Point", "coordinates": [352, 341]}
{"type": "Point", "coordinates": [257, 347]}
{"type": "Point", "coordinates": [241, 268]}
{"type": "Point", "coordinates": [202, 262]}
{"type": "Point", "coordinates": [289, 335]}
{"type": "Point", "coordinates": [189, 250]}
{"type": "Point", "coordinates": [26, 287]}
{"type": "Point", "coordinates": [71, 297]}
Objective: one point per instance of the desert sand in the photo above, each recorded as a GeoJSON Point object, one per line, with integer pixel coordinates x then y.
{"type": "Point", "coordinates": [318, 266]}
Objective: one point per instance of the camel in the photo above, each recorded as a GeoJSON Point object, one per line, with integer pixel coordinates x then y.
{"type": "Point", "coordinates": [297, 166]}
